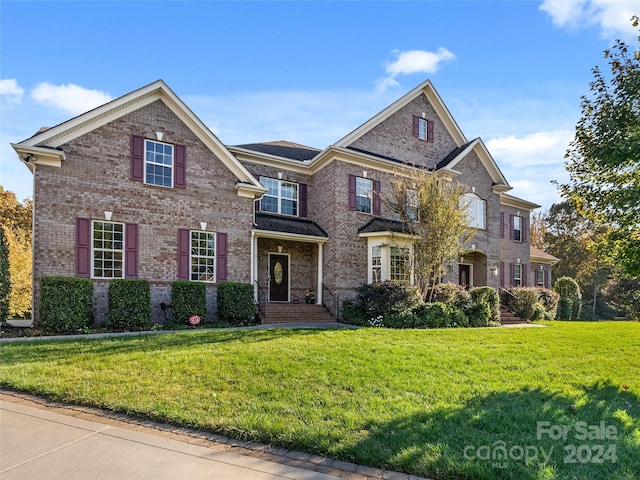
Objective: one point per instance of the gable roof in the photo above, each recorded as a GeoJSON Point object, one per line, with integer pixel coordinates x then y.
{"type": "Point", "coordinates": [426, 89]}
{"type": "Point", "coordinates": [46, 143]}
{"type": "Point", "coordinates": [540, 256]}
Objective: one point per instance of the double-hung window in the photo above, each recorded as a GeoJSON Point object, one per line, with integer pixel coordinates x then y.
{"type": "Point", "coordinates": [540, 278]}
{"type": "Point", "coordinates": [476, 209]}
{"type": "Point", "coordinates": [376, 264]}
{"type": "Point", "coordinates": [203, 256]}
{"type": "Point", "coordinates": [517, 228]}
{"type": "Point", "coordinates": [108, 249]}
{"type": "Point", "coordinates": [364, 189]}
{"type": "Point", "coordinates": [158, 163]}
{"type": "Point", "coordinates": [517, 274]}
{"type": "Point", "coordinates": [281, 197]}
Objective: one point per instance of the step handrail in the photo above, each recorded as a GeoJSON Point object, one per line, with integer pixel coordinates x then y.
{"type": "Point", "coordinates": [261, 300]}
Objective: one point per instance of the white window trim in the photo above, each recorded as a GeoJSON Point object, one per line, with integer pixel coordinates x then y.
{"type": "Point", "coordinates": [423, 127]}
{"type": "Point", "coordinates": [171, 167]}
{"type": "Point", "coordinates": [473, 202]}
{"type": "Point", "coordinates": [192, 256]}
{"type": "Point", "coordinates": [369, 195]}
{"type": "Point", "coordinates": [280, 197]}
{"type": "Point", "coordinates": [93, 249]}
{"type": "Point", "coordinates": [540, 278]}
{"type": "Point", "coordinates": [385, 257]}
{"type": "Point", "coordinates": [521, 221]}
{"type": "Point", "coordinates": [517, 269]}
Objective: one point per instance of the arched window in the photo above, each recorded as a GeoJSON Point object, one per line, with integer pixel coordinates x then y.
{"type": "Point", "coordinates": [476, 210]}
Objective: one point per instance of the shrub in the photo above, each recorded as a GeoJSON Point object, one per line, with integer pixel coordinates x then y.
{"type": "Point", "coordinates": [65, 304]}
{"type": "Point", "coordinates": [352, 314]}
{"type": "Point", "coordinates": [187, 299]}
{"type": "Point", "coordinates": [479, 314]}
{"type": "Point", "coordinates": [548, 300]}
{"type": "Point", "coordinates": [565, 307]}
{"type": "Point", "coordinates": [491, 297]}
{"type": "Point", "coordinates": [525, 302]}
{"type": "Point", "coordinates": [129, 304]}
{"type": "Point", "coordinates": [397, 320]}
{"type": "Point", "coordinates": [568, 287]}
{"type": "Point", "coordinates": [452, 295]}
{"type": "Point", "coordinates": [432, 315]}
{"type": "Point", "coordinates": [385, 298]}
{"type": "Point", "coordinates": [236, 304]}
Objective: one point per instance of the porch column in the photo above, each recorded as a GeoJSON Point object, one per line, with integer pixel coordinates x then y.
{"type": "Point", "coordinates": [254, 264]}
{"type": "Point", "coordinates": [319, 294]}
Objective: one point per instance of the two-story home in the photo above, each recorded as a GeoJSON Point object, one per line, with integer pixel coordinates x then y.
{"type": "Point", "coordinates": [141, 188]}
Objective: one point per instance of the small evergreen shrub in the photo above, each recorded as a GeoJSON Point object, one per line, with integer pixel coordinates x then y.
{"type": "Point", "coordinates": [479, 314]}
{"type": "Point", "coordinates": [398, 320]}
{"type": "Point", "coordinates": [548, 300]}
{"type": "Point", "coordinates": [565, 308]}
{"type": "Point", "coordinates": [433, 315]}
{"type": "Point", "coordinates": [352, 314]}
{"type": "Point", "coordinates": [187, 299]}
{"type": "Point", "coordinates": [65, 304]}
{"type": "Point", "coordinates": [568, 287]}
{"type": "Point", "coordinates": [236, 304]}
{"type": "Point", "coordinates": [491, 297]}
{"type": "Point", "coordinates": [129, 304]}
{"type": "Point", "coordinates": [452, 295]}
{"type": "Point", "coordinates": [385, 298]}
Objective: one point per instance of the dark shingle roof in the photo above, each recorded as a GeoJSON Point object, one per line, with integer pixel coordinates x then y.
{"type": "Point", "coordinates": [292, 151]}
{"type": "Point", "coordinates": [449, 158]}
{"type": "Point", "coordinates": [297, 226]}
{"type": "Point", "coordinates": [377, 224]}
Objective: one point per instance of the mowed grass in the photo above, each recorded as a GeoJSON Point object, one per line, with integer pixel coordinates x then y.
{"type": "Point", "coordinates": [434, 403]}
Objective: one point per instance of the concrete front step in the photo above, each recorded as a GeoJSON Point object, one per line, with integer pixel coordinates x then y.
{"type": "Point", "coordinates": [509, 318]}
{"type": "Point", "coordinates": [296, 313]}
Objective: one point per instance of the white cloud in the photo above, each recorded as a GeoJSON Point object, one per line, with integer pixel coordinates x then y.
{"type": "Point", "coordinates": [70, 98]}
{"type": "Point", "coordinates": [10, 91]}
{"type": "Point", "coordinates": [613, 17]}
{"type": "Point", "coordinates": [540, 148]}
{"type": "Point", "coordinates": [412, 61]}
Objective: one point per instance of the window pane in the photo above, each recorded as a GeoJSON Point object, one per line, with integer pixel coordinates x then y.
{"type": "Point", "coordinates": [203, 256]}
{"type": "Point", "coordinates": [269, 204]}
{"type": "Point", "coordinates": [400, 267]}
{"type": "Point", "coordinates": [158, 164]}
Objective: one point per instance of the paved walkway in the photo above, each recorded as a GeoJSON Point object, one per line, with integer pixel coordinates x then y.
{"type": "Point", "coordinates": [42, 439]}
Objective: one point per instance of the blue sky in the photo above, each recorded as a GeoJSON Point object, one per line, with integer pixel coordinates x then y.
{"type": "Point", "coordinates": [510, 72]}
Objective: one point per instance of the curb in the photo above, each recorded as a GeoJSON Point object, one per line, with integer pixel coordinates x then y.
{"type": "Point", "coordinates": [316, 463]}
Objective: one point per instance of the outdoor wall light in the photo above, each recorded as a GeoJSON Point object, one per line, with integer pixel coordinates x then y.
{"type": "Point", "coordinates": [494, 271]}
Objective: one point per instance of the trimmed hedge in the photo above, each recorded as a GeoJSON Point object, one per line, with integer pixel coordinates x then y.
{"type": "Point", "coordinates": [236, 304]}
{"type": "Point", "coordinates": [129, 304]}
{"type": "Point", "coordinates": [65, 304]}
{"type": "Point", "coordinates": [452, 295]}
{"type": "Point", "coordinates": [187, 299]}
{"type": "Point", "coordinates": [492, 299]}
{"type": "Point", "coordinates": [565, 307]}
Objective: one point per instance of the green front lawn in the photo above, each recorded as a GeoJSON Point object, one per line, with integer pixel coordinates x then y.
{"type": "Point", "coordinates": [435, 403]}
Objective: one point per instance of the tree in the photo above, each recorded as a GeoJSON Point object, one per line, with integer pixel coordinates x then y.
{"type": "Point", "coordinates": [604, 156]}
{"type": "Point", "coordinates": [435, 220]}
{"type": "Point", "coordinates": [5, 279]}
{"type": "Point", "coordinates": [15, 219]}
{"type": "Point", "coordinates": [538, 230]}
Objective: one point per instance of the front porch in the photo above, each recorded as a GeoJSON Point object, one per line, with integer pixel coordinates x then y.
{"type": "Point", "coordinates": [287, 267]}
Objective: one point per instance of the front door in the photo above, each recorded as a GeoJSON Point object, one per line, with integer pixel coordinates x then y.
{"type": "Point", "coordinates": [278, 278]}
{"type": "Point", "coordinates": [465, 272]}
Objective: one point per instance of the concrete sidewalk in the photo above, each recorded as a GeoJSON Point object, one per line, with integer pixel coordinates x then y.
{"type": "Point", "coordinates": [37, 443]}
{"type": "Point", "coordinates": [42, 439]}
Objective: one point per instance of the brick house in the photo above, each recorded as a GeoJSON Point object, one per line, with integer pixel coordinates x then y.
{"type": "Point", "coordinates": [141, 188]}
